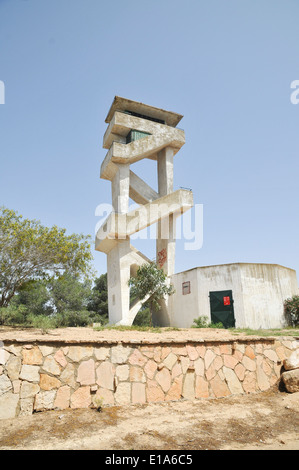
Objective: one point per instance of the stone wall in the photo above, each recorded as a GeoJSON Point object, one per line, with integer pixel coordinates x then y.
{"type": "Point", "coordinates": [42, 376]}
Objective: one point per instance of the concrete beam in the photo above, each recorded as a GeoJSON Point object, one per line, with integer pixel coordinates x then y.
{"type": "Point", "coordinates": [147, 147]}
{"type": "Point", "coordinates": [141, 192]}
{"type": "Point", "coordinates": [121, 226]}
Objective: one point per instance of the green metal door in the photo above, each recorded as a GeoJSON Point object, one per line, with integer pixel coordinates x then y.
{"type": "Point", "coordinates": [222, 308]}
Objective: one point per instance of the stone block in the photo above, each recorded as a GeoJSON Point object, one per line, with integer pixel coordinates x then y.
{"type": "Point", "coordinates": [240, 371]}
{"type": "Point", "coordinates": [271, 354]}
{"type": "Point", "coordinates": [4, 355]}
{"type": "Point", "coordinates": [122, 372]}
{"type": "Point", "coordinates": [262, 379]}
{"type": "Point", "coordinates": [30, 373]}
{"type": "Point", "coordinates": [249, 364]}
{"type": "Point", "coordinates": [179, 350]}
{"type": "Point", "coordinates": [120, 354]}
{"type": "Point", "coordinates": [219, 387]}
{"type": "Point", "coordinates": [138, 393]}
{"type": "Point", "coordinates": [51, 366]}
{"type": "Point", "coordinates": [86, 372]}
{"type": "Point", "coordinates": [77, 353]}
{"type": "Point", "coordinates": [102, 353]}
{"type": "Point", "coordinates": [32, 356]}
{"type": "Point", "coordinates": [5, 384]}
{"type": "Point", "coordinates": [150, 369]}
{"type": "Point", "coordinates": [249, 383]}
{"type": "Point", "coordinates": [192, 352]}
{"type": "Point", "coordinates": [105, 375]}
{"type": "Point", "coordinates": [230, 361]}
{"type": "Point", "coordinates": [137, 359]}
{"type": "Point", "coordinates": [62, 400]}
{"type": "Point", "coordinates": [67, 376]}
{"type": "Point", "coordinates": [137, 374]}
{"type": "Point", "coordinates": [60, 358]}
{"type": "Point", "coordinates": [199, 367]}
{"type": "Point", "coordinates": [13, 367]}
{"type": "Point", "coordinates": [201, 351]}
{"type": "Point", "coordinates": [9, 403]}
{"type": "Point", "coordinates": [292, 362]}
{"type": "Point", "coordinates": [209, 358]}
{"type": "Point", "coordinates": [154, 393]}
{"type": "Point", "coordinates": [44, 400]}
{"type": "Point", "coordinates": [103, 397]}
{"type": "Point", "coordinates": [81, 398]}
{"type": "Point", "coordinates": [291, 380]}
{"type": "Point", "coordinates": [46, 350]}
{"type": "Point", "coordinates": [189, 386]}
{"type": "Point", "coordinates": [249, 352]}
{"type": "Point", "coordinates": [232, 381]}
{"type": "Point", "coordinates": [201, 388]}
{"type": "Point", "coordinates": [123, 393]}
{"type": "Point", "coordinates": [29, 389]}
{"type": "Point", "coordinates": [47, 382]}
{"type": "Point", "coordinates": [163, 378]}
{"type": "Point", "coordinates": [170, 361]}
{"type": "Point", "coordinates": [26, 406]}
{"type": "Point", "coordinates": [176, 370]}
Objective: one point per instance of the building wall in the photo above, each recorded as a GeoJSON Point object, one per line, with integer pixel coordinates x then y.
{"type": "Point", "coordinates": [37, 376]}
{"type": "Point", "coordinates": [264, 289]}
{"type": "Point", "coordinates": [259, 291]}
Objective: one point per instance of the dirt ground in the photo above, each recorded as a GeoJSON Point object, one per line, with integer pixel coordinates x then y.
{"type": "Point", "coordinates": [82, 334]}
{"type": "Point", "coordinates": [108, 336]}
{"type": "Point", "coordinates": [262, 421]}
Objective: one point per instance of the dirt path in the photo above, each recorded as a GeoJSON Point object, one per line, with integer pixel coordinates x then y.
{"type": "Point", "coordinates": [262, 421]}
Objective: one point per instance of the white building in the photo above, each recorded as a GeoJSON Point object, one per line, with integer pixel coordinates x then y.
{"type": "Point", "coordinates": [245, 295]}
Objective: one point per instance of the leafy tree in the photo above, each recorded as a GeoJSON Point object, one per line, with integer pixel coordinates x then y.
{"type": "Point", "coordinates": [150, 284]}
{"type": "Point", "coordinates": [143, 317]}
{"type": "Point", "coordinates": [69, 293]}
{"type": "Point", "coordinates": [291, 310]}
{"type": "Point", "coordinates": [35, 297]}
{"type": "Point", "coordinates": [98, 302]}
{"type": "Point", "coordinates": [30, 251]}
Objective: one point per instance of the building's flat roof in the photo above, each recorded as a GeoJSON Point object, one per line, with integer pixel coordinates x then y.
{"type": "Point", "coordinates": [231, 264]}
{"type": "Point", "coordinates": [123, 104]}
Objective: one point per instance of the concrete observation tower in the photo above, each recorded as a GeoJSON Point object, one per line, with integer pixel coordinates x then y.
{"type": "Point", "coordinates": [136, 131]}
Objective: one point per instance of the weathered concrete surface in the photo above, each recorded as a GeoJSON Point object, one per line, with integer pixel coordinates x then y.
{"type": "Point", "coordinates": [160, 141]}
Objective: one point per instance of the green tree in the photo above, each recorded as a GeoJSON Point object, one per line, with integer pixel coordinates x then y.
{"type": "Point", "coordinates": [291, 310]}
{"type": "Point", "coordinates": [30, 251]}
{"type": "Point", "coordinates": [69, 293]}
{"type": "Point", "coordinates": [150, 285]}
{"type": "Point", "coordinates": [98, 301]}
{"type": "Point", "coordinates": [35, 297]}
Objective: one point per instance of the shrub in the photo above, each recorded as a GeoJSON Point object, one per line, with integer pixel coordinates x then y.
{"type": "Point", "coordinates": [13, 315]}
{"type": "Point", "coordinates": [203, 322]}
{"type": "Point", "coordinates": [73, 318]}
{"type": "Point", "coordinates": [291, 311]}
{"type": "Point", "coordinates": [45, 322]}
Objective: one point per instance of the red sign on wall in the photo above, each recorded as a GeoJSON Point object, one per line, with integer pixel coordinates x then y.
{"type": "Point", "coordinates": [226, 300]}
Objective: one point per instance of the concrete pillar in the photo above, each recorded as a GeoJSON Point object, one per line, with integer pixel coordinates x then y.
{"type": "Point", "coordinates": [165, 245]}
{"type": "Point", "coordinates": [120, 189]}
{"type": "Point", "coordinates": [165, 171]}
{"type": "Point", "coordinates": [118, 275]}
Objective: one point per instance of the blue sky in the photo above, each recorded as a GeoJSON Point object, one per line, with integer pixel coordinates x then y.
{"type": "Point", "coordinates": [227, 66]}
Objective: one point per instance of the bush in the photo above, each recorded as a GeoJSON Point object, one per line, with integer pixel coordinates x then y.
{"type": "Point", "coordinates": [45, 322]}
{"type": "Point", "coordinates": [143, 317]}
{"type": "Point", "coordinates": [291, 311]}
{"type": "Point", "coordinates": [74, 318]}
{"type": "Point", "coordinates": [13, 315]}
{"type": "Point", "coordinates": [203, 322]}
